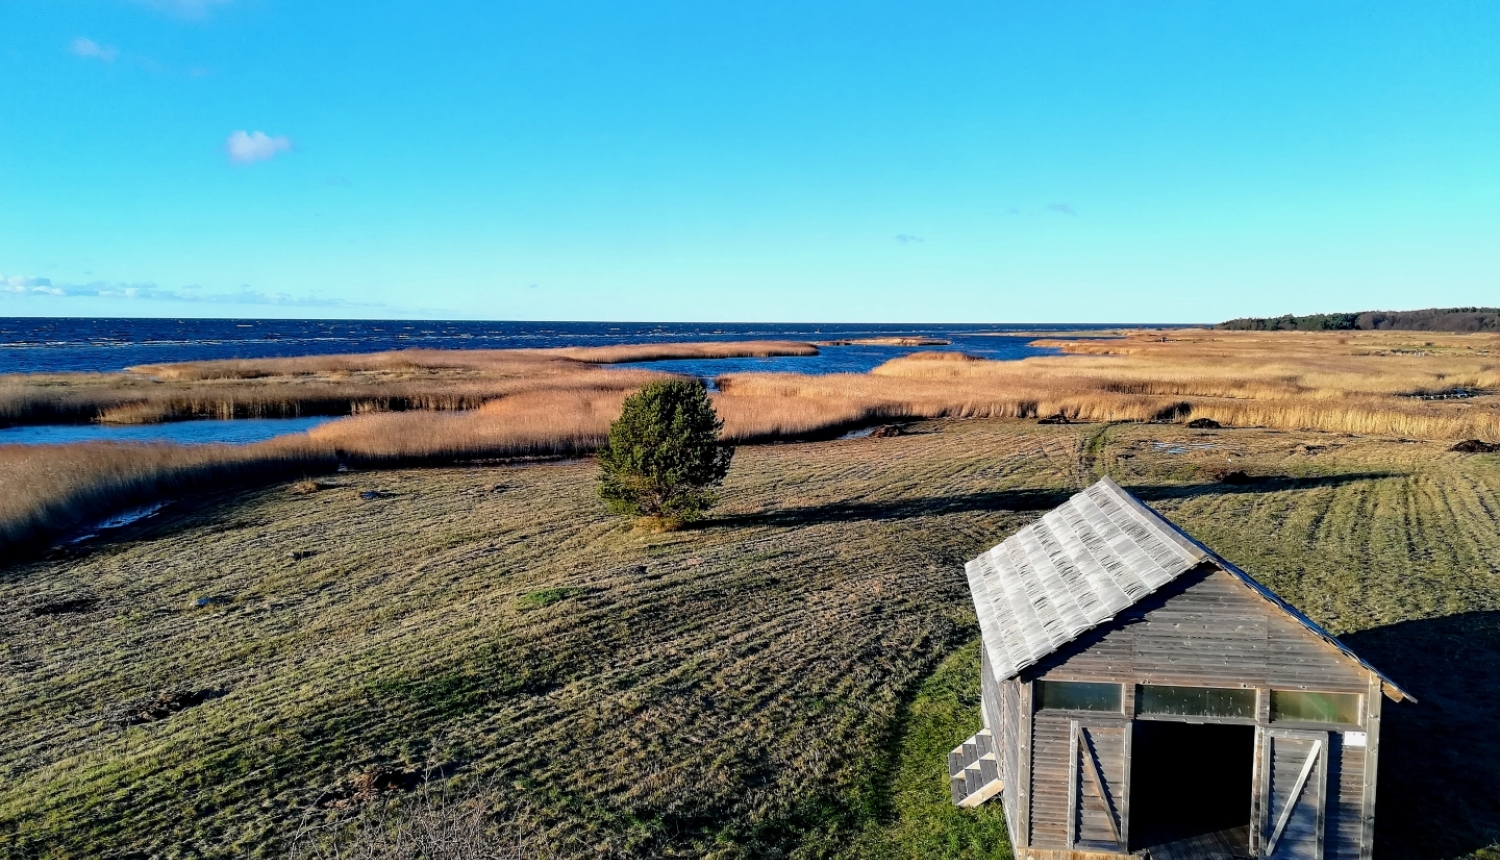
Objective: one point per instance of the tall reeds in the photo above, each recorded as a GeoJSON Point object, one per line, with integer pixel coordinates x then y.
{"type": "Point", "coordinates": [52, 489]}
{"type": "Point", "coordinates": [440, 406]}
{"type": "Point", "coordinates": [401, 381]}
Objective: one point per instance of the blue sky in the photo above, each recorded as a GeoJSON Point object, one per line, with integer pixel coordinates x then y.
{"type": "Point", "coordinates": [997, 161]}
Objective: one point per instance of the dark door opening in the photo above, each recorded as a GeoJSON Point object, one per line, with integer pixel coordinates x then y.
{"type": "Point", "coordinates": [1189, 780]}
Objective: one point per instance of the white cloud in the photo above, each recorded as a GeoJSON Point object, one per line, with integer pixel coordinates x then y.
{"type": "Point", "coordinates": [250, 147]}
{"type": "Point", "coordinates": [21, 285]}
{"type": "Point", "coordinates": [15, 283]}
{"type": "Point", "coordinates": [93, 50]}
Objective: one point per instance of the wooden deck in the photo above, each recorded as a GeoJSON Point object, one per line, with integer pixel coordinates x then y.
{"type": "Point", "coordinates": [1224, 845]}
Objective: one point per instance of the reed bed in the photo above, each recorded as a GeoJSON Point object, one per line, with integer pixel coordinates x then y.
{"type": "Point", "coordinates": [406, 380]}
{"type": "Point", "coordinates": [439, 406]}
{"type": "Point", "coordinates": [53, 489]}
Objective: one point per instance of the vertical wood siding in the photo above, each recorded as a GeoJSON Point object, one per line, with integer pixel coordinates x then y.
{"type": "Point", "coordinates": [1049, 780]}
{"type": "Point", "coordinates": [1094, 812]}
{"type": "Point", "coordinates": [1010, 739]}
{"type": "Point", "coordinates": [1299, 839]}
{"type": "Point", "coordinates": [1346, 791]}
{"type": "Point", "coordinates": [1206, 629]}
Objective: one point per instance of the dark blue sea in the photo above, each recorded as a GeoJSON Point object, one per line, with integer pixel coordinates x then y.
{"type": "Point", "coordinates": [46, 345]}
{"type": "Point", "coordinates": [58, 345]}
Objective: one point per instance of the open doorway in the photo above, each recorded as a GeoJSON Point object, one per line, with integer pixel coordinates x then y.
{"type": "Point", "coordinates": [1189, 782]}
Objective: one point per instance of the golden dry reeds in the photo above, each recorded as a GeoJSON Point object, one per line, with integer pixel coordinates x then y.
{"type": "Point", "coordinates": [440, 406]}
{"type": "Point", "coordinates": [1372, 385]}
{"type": "Point", "coordinates": [560, 421]}
{"type": "Point", "coordinates": [404, 380]}
{"type": "Point", "coordinates": [50, 489]}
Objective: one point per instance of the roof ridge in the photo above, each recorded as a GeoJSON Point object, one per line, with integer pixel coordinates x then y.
{"type": "Point", "coordinates": [1036, 605]}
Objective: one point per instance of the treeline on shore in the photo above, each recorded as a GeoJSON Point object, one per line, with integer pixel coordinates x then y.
{"type": "Point", "coordinates": [1430, 319]}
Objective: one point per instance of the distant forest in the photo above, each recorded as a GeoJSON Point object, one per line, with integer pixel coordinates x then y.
{"type": "Point", "coordinates": [1431, 319]}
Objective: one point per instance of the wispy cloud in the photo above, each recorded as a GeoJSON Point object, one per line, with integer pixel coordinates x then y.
{"type": "Point", "coordinates": [21, 285]}
{"type": "Point", "coordinates": [196, 9]}
{"type": "Point", "coordinates": [909, 239]}
{"type": "Point", "coordinates": [92, 50]}
{"type": "Point", "coordinates": [1063, 208]}
{"type": "Point", "coordinates": [250, 147]}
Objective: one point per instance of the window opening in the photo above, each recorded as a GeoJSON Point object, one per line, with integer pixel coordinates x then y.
{"type": "Point", "coordinates": [1304, 707]}
{"type": "Point", "coordinates": [1079, 696]}
{"type": "Point", "coordinates": [1195, 701]}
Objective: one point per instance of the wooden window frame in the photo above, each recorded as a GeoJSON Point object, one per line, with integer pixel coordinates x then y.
{"type": "Point", "coordinates": [1262, 695]}
{"type": "Point", "coordinates": [1362, 707]}
{"type": "Point", "coordinates": [1122, 710]}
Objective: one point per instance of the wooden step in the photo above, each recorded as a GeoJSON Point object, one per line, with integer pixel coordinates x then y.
{"type": "Point", "coordinates": [973, 772]}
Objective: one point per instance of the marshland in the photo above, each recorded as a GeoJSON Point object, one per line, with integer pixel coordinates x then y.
{"type": "Point", "coordinates": [420, 619]}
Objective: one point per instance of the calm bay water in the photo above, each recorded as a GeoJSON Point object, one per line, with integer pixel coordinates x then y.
{"type": "Point", "coordinates": [54, 345]}
{"type": "Point", "coordinates": [238, 432]}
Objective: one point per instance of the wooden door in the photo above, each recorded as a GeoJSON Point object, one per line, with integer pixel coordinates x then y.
{"type": "Point", "coordinates": [1294, 787]}
{"type": "Point", "coordinates": [1098, 811]}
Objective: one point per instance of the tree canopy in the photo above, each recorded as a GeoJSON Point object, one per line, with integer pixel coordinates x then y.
{"type": "Point", "coordinates": [664, 453]}
{"type": "Point", "coordinates": [1431, 319]}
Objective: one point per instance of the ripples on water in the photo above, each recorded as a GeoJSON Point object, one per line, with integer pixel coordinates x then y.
{"type": "Point", "coordinates": [241, 431]}
{"type": "Point", "coordinates": [56, 345]}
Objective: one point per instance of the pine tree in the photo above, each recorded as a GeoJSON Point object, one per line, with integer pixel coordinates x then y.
{"type": "Point", "coordinates": [663, 454]}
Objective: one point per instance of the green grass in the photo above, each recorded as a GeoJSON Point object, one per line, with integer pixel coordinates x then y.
{"type": "Point", "coordinates": [784, 680]}
{"type": "Point", "coordinates": [920, 820]}
{"type": "Point", "coordinates": [546, 597]}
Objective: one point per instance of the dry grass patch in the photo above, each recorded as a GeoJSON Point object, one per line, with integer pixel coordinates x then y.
{"type": "Point", "coordinates": [742, 689]}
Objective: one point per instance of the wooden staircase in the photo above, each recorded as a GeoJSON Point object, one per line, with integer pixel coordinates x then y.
{"type": "Point", "coordinates": [973, 772]}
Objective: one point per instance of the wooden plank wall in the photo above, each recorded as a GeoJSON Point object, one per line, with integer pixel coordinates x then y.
{"type": "Point", "coordinates": [1049, 779]}
{"type": "Point", "coordinates": [1206, 629]}
{"type": "Point", "coordinates": [1093, 811]}
{"type": "Point", "coordinates": [1299, 838]}
{"type": "Point", "coordinates": [1011, 743]}
{"type": "Point", "coordinates": [1346, 791]}
{"type": "Point", "coordinates": [1215, 631]}
{"type": "Point", "coordinates": [989, 696]}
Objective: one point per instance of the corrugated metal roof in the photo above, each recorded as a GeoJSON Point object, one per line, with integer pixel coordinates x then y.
{"type": "Point", "coordinates": [1081, 565]}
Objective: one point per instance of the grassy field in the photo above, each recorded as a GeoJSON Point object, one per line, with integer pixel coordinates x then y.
{"type": "Point", "coordinates": [781, 682]}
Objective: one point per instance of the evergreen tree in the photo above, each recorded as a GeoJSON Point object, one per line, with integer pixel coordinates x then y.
{"type": "Point", "coordinates": [663, 454]}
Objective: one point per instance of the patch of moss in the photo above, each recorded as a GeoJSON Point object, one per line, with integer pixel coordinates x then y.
{"type": "Point", "coordinates": [545, 597]}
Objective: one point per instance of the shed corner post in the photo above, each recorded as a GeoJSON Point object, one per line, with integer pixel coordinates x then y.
{"type": "Point", "coordinates": [1260, 785]}
{"type": "Point", "coordinates": [1026, 736]}
{"type": "Point", "coordinates": [1373, 702]}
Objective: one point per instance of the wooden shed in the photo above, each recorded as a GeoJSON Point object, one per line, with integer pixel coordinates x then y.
{"type": "Point", "coordinates": [1144, 697]}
